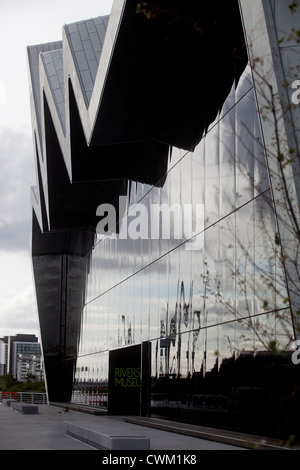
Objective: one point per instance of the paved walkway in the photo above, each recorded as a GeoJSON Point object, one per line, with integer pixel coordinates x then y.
{"type": "Point", "coordinates": [45, 431]}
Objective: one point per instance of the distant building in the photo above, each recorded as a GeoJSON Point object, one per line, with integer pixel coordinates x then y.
{"type": "Point", "coordinates": [20, 355]}
{"type": "Point", "coordinates": [3, 356]}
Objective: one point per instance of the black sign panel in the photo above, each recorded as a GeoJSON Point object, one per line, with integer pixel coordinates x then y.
{"type": "Point", "coordinates": [125, 381]}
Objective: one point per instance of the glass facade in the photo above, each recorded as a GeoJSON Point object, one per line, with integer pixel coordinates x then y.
{"type": "Point", "coordinates": [213, 303]}
{"type": "Point", "coordinates": [165, 221]}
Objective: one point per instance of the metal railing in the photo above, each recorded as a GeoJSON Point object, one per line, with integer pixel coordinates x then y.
{"type": "Point", "coordinates": [93, 399]}
{"type": "Point", "coordinates": [37, 398]}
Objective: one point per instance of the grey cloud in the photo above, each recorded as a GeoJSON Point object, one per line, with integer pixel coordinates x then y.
{"type": "Point", "coordinates": [16, 177]}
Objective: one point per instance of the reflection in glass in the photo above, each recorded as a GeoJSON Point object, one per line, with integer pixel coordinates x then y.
{"type": "Point", "coordinates": [215, 316]}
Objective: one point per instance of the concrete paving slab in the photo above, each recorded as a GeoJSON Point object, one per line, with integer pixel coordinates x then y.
{"type": "Point", "coordinates": [45, 431]}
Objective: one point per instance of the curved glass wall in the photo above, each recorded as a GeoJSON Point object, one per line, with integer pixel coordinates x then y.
{"type": "Point", "coordinates": [211, 297]}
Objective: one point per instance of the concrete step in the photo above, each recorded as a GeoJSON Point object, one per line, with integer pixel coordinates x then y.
{"type": "Point", "coordinates": [213, 434]}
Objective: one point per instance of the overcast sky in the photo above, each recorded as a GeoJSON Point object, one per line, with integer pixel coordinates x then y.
{"type": "Point", "coordinates": [23, 23]}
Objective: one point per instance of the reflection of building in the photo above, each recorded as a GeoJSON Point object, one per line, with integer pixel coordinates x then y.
{"type": "Point", "coordinates": [170, 108]}
{"type": "Point", "coordinates": [29, 366]}
{"type": "Point", "coordinates": [21, 356]}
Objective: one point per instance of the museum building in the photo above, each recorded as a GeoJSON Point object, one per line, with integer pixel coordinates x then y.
{"type": "Point", "coordinates": [165, 218]}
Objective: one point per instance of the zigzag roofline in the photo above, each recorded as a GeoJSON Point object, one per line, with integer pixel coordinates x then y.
{"type": "Point", "coordinates": [112, 98]}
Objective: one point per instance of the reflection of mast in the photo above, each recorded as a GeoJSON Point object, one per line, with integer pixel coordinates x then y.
{"type": "Point", "coordinates": [173, 321]}
{"type": "Point", "coordinates": [172, 370]}
{"type": "Point", "coordinates": [162, 329]}
{"type": "Point", "coordinates": [168, 347]}
{"type": "Point", "coordinates": [129, 341]}
{"type": "Point", "coordinates": [156, 354]}
{"type": "Point", "coordinates": [195, 335]}
{"type": "Point", "coordinates": [187, 312]}
{"type": "Point", "coordinates": [123, 321]}
{"type": "Point", "coordinates": [189, 309]}
{"type": "Point", "coordinates": [205, 332]}
{"type": "Point", "coordinates": [164, 349]}
{"type": "Point", "coordinates": [173, 330]}
{"type": "Point", "coordinates": [179, 331]}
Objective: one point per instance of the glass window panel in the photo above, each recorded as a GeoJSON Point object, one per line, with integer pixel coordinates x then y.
{"type": "Point", "coordinates": [286, 19]}
{"type": "Point", "coordinates": [212, 175]}
{"type": "Point", "coordinates": [145, 303]}
{"type": "Point", "coordinates": [201, 309]}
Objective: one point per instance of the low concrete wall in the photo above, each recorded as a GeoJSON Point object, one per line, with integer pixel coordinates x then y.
{"type": "Point", "coordinates": [105, 441]}
{"type": "Point", "coordinates": [24, 408]}
{"type": "Point", "coordinates": [8, 401]}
